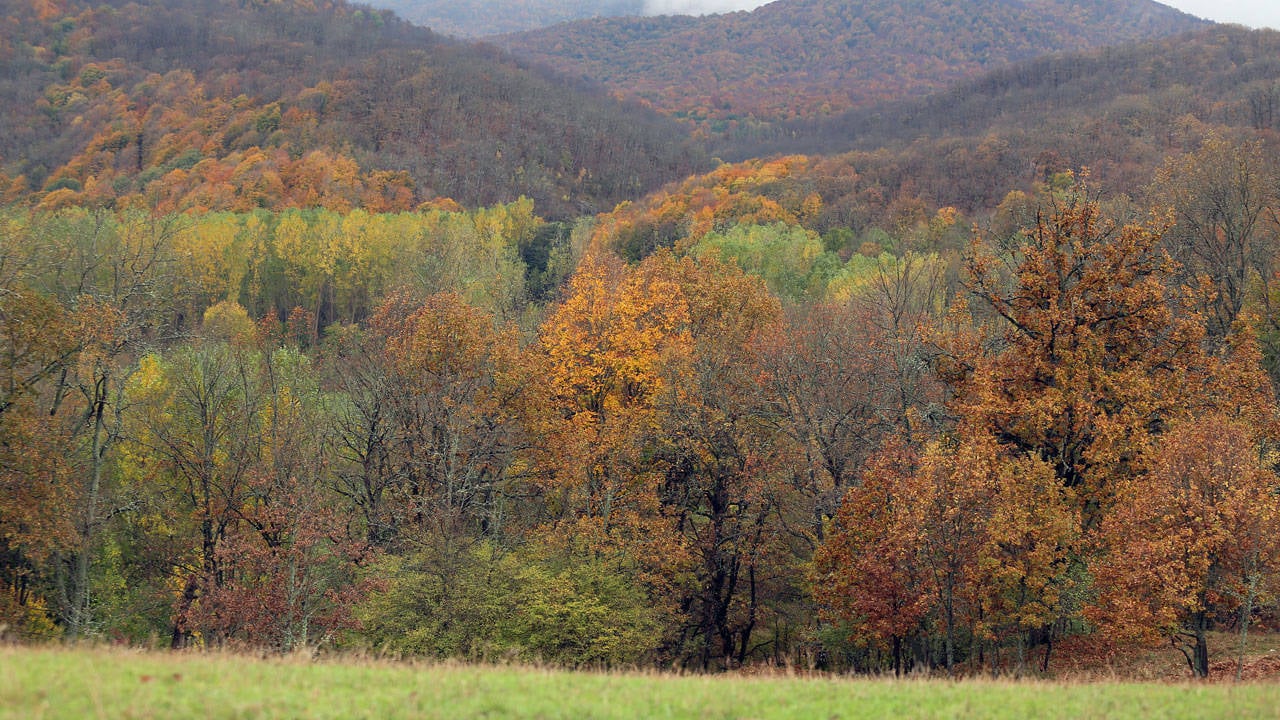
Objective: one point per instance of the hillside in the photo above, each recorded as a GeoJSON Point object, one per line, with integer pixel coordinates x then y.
{"type": "Point", "coordinates": [223, 105]}
{"type": "Point", "coordinates": [801, 58]}
{"type": "Point", "coordinates": [1119, 111]}
{"type": "Point", "coordinates": [477, 18]}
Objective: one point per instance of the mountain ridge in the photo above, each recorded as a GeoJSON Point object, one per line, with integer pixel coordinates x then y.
{"type": "Point", "coordinates": [1119, 111]}
{"type": "Point", "coordinates": [800, 58]}
{"type": "Point", "coordinates": [479, 18]}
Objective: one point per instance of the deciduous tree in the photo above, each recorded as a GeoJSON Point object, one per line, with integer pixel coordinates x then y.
{"type": "Point", "coordinates": [1194, 540]}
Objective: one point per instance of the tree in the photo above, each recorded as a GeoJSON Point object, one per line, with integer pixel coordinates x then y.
{"type": "Point", "coordinates": [1193, 540]}
{"type": "Point", "coordinates": [1024, 567]}
{"type": "Point", "coordinates": [289, 563]}
{"type": "Point", "coordinates": [365, 431]}
{"type": "Point", "coordinates": [783, 255]}
{"type": "Point", "coordinates": [604, 355]}
{"type": "Point", "coordinates": [198, 439]}
{"type": "Point", "coordinates": [656, 443]}
{"type": "Point", "coordinates": [122, 265]}
{"type": "Point", "coordinates": [963, 545]}
{"type": "Point", "coordinates": [1095, 354]}
{"type": "Point", "coordinates": [866, 578]}
{"type": "Point", "coordinates": [37, 487]}
{"type": "Point", "coordinates": [726, 491]}
{"type": "Point", "coordinates": [1221, 195]}
{"type": "Point", "coordinates": [451, 382]}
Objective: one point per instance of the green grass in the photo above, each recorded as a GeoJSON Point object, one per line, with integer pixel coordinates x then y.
{"type": "Point", "coordinates": [101, 683]}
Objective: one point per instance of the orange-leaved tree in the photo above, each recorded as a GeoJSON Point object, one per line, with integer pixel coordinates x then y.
{"type": "Point", "coordinates": [726, 489]}
{"type": "Point", "coordinates": [1093, 354]}
{"type": "Point", "coordinates": [1096, 352]}
{"type": "Point", "coordinates": [1195, 539]}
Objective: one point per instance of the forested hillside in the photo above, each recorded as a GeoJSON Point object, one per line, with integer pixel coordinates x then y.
{"type": "Point", "coordinates": [208, 104]}
{"type": "Point", "coordinates": [1118, 111]}
{"type": "Point", "coordinates": [805, 58]}
{"type": "Point", "coordinates": [477, 18]}
{"type": "Point", "coordinates": [287, 363]}
{"type": "Point", "coordinates": [1223, 75]}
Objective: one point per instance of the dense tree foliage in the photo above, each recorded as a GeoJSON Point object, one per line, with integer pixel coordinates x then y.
{"type": "Point", "coordinates": [938, 405]}
{"type": "Point", "coordinates": [805, 58]}
{"type": "Point", "coordinates": [205, 104]}
{"type": "Point", "coordinates": [749, 443]}
{"type": "Point", "coordinates": [1045, 497]}
{"type": "Point", "coordinates": [477, 18]}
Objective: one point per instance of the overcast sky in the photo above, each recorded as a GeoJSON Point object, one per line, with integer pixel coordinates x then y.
{"type": "Point", "coordinates": [1254, 13]}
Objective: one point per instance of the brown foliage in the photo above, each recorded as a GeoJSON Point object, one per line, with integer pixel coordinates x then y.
{"type": "Point", "coordinates": [807, 58]}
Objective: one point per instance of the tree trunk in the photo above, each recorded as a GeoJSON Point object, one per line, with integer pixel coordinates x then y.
{"type": "Point", "coordinates": [1048, 648]}
{"type": "Point", "coordinates": [178, 640]}
{"type": "Point", "coordinates": [1202, 654]}
{"type": "Point", "coordinates": [1246, 614]}
{"type": "Point", "coordinates": [1196, 649]}
{"type": "Point", "coordinates": [950, 640]}
{"type": "Point", "coordinates": [79, 615]}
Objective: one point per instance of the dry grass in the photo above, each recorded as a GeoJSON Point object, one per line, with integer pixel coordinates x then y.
{"type": "Point", "coordinates": [1093, 660]}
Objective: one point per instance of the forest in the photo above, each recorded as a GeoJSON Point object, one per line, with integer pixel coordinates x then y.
{"type": "Point", "coordinates": [479, 18]}
{"type": "Point", "coordinates": [805, 59]}
{"type": "Point", "coordinates": [217, 105]}
{"type": "Point", "coordinates": [265, 386]}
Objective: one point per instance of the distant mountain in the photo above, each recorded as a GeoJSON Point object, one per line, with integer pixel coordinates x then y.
{"type": "Point", "coordinates": [1224, 75]}
{"type": "Point", "coordinates": [804, 58]}
{"type": "Point", "coordinates": [477, 18]}
{"type": "Point", "coordinates": [985, 147]}
{"type": "Point", "coordinates": [236, 104]}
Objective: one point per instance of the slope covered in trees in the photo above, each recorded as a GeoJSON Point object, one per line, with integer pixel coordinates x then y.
{"type": "Point", "coordinates": [477, 18]}
{"type": "Point", "coordinates": [801, 58]}
{"type": "Point", "coordinates": [220, 105]}
{"type": "Point", "coordinates": [1119, 112]}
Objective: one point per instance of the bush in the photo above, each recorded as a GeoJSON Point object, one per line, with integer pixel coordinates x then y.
{"type": "Point", "coordinates": [486, 604]}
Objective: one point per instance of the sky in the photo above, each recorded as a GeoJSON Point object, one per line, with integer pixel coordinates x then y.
{"type": "Point", "coordinates": [1254, 13]}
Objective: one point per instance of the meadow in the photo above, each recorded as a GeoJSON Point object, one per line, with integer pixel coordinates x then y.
{"type": "Point", "coordinates": [113, 683]}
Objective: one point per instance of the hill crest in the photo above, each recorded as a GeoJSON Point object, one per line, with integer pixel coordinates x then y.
{"type": "Point", "coordinates": [802, 58]}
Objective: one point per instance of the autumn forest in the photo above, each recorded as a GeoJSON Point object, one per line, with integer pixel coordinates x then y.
{"type": "Point", "coordinates": [323, 330]}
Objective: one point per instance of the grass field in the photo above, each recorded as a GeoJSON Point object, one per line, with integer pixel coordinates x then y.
{"type": "Point", "coordinates": [102, 683]}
